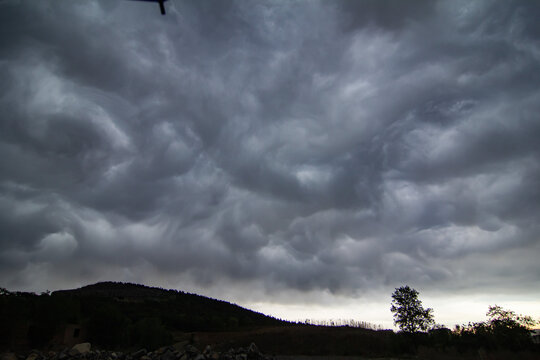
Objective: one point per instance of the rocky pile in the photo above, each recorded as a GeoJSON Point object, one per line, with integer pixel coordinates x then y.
{"type": "Point", "coordinates": [179, 351]}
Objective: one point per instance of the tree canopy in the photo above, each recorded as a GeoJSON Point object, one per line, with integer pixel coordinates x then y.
{"type": "Point", "coordinates": [409, 314]}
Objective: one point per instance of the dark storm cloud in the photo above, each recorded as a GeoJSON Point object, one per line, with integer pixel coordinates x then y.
{"type": "Point", "coordinates": [390, 14]}
{"type": "Point", "coordinates": [305, 145]}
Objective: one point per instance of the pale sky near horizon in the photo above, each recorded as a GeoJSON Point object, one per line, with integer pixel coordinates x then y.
{"type": "Point", "coordinates": [302, 158]}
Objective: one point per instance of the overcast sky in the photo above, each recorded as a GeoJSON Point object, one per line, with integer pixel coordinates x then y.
{"type": "Point", "coordinates": [301, 158]}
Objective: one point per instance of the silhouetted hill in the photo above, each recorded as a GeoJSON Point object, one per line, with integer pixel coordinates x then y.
{"type": "Point", "coordinates": [117, 290]}
{"type": "Point", "coordinates": [177, 309]}
{"type": "Point", "coordinates": [113, 314]}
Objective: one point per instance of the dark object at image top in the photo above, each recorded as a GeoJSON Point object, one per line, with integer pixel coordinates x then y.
{"type": "Point", "coordinates": [161, 4]}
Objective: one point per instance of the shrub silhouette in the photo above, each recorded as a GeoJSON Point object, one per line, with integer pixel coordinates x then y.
{"type": "Point", "coordinates": [504, 329]}
{"type": "Point", "coordinates": [107, 326]}
{"type": "Point", "coordinates": [150, 334]}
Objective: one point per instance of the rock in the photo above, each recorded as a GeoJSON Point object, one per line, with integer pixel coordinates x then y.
{"type": "Point", "coordinates": [8, 356]}
{"type": "Point", "coordinates": [191, 350]}
{"type": "Point", "coordinates": [253, 352]}
{"type": "Point", "coordinates": [33, 356]}
{"type": "Point", "coordinates": [80, 349]}
{"type": "Point", "coordinates": [167, 355]}
{"type": "Point", "coordinates": [179, 351]}
{"type": "Point", "coordinates": [139, 353]}
{"type": "Point", "coordinates": [181, 346]}
{"type": "Point", "coordinates": [253, 349]}
{"type": "Point", "coordinates": [241, 357]}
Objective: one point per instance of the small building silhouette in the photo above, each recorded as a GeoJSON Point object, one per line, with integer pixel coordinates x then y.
{"type": "Point", "coordinates": [70, 334]}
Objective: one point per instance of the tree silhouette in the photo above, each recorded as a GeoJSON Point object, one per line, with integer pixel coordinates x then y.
{"type": "Point", "coordinates": [409, 314]}
{"type": "Point", "coordinates": [504, 329]}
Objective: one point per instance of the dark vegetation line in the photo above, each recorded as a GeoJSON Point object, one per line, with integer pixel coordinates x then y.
{"type": "Point", "coordinates": [343, 322]}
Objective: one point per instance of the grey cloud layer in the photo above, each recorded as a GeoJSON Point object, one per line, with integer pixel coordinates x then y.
{"type": "Point", "coordinates": [307, 145]}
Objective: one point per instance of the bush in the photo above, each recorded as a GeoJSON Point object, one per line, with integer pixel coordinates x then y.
{"type": "Point", "coordinates": [504, 330]}
{"type": "Point", "coordinates": [150, 334]}
{"type": "Point", "coordinates": [107, 326]}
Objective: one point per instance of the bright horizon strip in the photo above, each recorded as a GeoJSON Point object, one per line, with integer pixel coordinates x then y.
{"type": "Point", "coordinates": [457, 311]}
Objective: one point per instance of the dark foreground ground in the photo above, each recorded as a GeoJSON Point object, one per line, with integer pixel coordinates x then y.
{"type": "Point", "coordinates": [319, 343]}
{"type": "Point", "coordinates": [186, 351]}
{"type": "Point", "coordinates": [301, 340]}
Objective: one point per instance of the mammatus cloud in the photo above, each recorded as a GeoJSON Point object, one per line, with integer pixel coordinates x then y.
{"type": "Point", "coordinates": [289, 146]}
